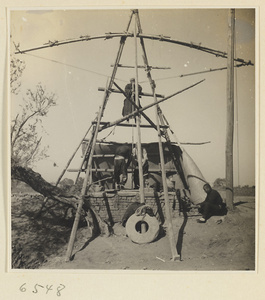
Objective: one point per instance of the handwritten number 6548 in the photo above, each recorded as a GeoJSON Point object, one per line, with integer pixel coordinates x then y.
{"type": "Point", "coordinates": [48, 288]}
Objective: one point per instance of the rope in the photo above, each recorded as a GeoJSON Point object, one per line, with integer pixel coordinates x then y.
{"type": "Point", "coordinates": [72, 66]}
{"type": "Point", "coordinates": [111, 132]}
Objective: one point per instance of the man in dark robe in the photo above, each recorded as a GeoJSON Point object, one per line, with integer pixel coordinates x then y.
{"type": "Point", "coordinates": [128, 107]}
{"type": "Point", "coordinates": [212, 205]}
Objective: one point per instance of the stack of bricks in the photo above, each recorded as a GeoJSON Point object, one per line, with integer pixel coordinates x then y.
{"type": "Point", "coordinates": [112, 206]}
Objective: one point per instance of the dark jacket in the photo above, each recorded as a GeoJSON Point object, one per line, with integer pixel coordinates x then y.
{"type": "Point", "coordinates": [214, 198]}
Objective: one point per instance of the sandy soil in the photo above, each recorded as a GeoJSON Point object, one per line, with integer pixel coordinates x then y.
{"type": "Point", "coordinates": [223, 243]}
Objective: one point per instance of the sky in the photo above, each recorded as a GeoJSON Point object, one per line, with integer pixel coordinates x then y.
{"type": "Point", "coordinates": [75, 72]}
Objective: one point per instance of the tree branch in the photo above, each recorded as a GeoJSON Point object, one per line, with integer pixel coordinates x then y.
{"type": "Point", "coordinates": [37, 183]}
{"type": "Point", "coordinates": [13, 126]}
{"type": "Point", "coordinates": [21, 126]}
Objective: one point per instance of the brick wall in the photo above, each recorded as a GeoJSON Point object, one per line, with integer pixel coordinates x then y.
{"type": "Point", "coordinates": [112, 206]}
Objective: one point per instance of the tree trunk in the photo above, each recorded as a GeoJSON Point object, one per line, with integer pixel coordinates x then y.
{"type": "Point", "coordinates": [37, 183]}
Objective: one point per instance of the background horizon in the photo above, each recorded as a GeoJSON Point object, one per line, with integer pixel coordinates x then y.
{"type": "Point", "coordinates": [75, 71]}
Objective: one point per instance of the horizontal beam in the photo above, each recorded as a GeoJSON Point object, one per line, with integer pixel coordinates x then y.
{"type": "Point", "coordinates": [101, 89]}
{"type": "Point", "coordinates": [103, 155]}
{"type": "Point", "coordinates": [112, 155]}
{"type": "Point", "coordinates": [131, 125]}
{"type": "Point", "coordinates": [141, 125]}
{"type": "Point", "coordinates": [112, 170]}
{"type": "Point", "coordinates": [173, 143]}
{"type": "Point", "coordinates": [167, 39]}
{"type": "Point", "coordinates": [125, 35]}
{"type": "Point", "coordinates": [143, 67]}
{"type": "Point", "coordinates": [82, 38]}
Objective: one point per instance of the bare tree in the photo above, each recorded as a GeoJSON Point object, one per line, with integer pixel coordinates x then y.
{"type": "Point", "coordinates": [26, 148]}
{"type": "Point", "coordinates": [27, 126]}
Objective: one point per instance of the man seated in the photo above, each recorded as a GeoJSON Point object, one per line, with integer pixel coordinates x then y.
{"type": "Point", "coordinates": [212, 205]}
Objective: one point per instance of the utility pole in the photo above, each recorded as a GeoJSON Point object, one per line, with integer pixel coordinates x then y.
{"type": "Point", "coordinates": [230, 110]}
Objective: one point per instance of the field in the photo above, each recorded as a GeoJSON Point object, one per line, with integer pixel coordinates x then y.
{"type": "Point", "coordinates": [40, 242]}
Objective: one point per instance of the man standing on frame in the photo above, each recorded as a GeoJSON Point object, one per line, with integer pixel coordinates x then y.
{"type": "Point", "coordinates": [128, 107]}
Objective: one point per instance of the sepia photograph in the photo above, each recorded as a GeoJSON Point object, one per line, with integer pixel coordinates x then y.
{"type": "Point", "coordinates": [133, 139]}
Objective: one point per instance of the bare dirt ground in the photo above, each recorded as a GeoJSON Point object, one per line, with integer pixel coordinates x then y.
{"type": "Point", "coordinates": [223, 243]}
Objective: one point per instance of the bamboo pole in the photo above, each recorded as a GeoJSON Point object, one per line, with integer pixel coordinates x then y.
{"type": "Point", "coordinates": [172, 241]}
{"type": "Point", "coordinates": [139, 145]}
{"type": "Point", "coordinates": [126, 124]}
{"type": "Point", "coordinates": [100, 115]}
{"type": "Point", "coordinates": [103, 155]}
{"type": "Point", "coordinates": [230, 110]}
{"type": "Point", "coordinates": [142, 67]}
{"type": "Point", "coordinates": [160, 114]}
{"type": "Point", "coordinates": [141, 125]}
{"type": "Point", "coordinates": [170, 232]}
{"type": "Point", "coordinates": [115, 68]}
{"type": "Point", "coordinates": [151, 170]}
{"type": "Point", "coordinates": [210, 70]}
{"type": "Point", "coordinates": [101, 89]}
{"type": "Point", "coordinates": [83, 191]}
{"type": "Point", "coordinates": [86, 154]}
{"type": "Point", "coordinates": [125, 35]}
{"type": "Point", "coordinates": [73, 155]}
